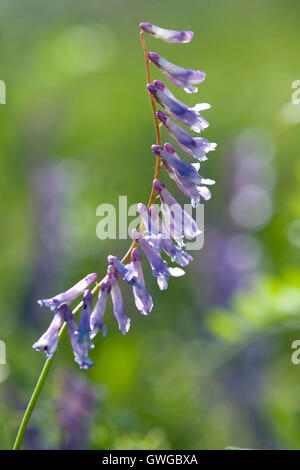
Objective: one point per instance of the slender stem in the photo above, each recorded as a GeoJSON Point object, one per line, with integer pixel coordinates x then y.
{"type": "Point", "coordinates": [157, 126]}
{"type": "Point", "coordinates": [47, 366]}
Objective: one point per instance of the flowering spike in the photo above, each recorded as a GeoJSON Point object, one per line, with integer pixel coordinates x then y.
{"type": "Point", "coordinates": [70, 295]}
{"type": "Point", "coordinates": [79, 349]}
{"type": "Point", "coordinates": [48, 342]}
{"type": "Point", "coordinates": [196, 146]}
{"type": "Point", "coordinates": [98, 312]}
{"type": "Point", "coordinates": [117, 300]}
{"type": "Point", "coordinates": [143, 299]}
{"type": "Point", "coordinates": [183, 78]}
{"type": "Point", "coordinates": [168, 35]}
{"type": "Point", "coordinates": [160, 268]}
{"type": "Point", "coordinates": [179, 223]}
{"type": "Point", "coordinates": [185, 175]}
{"type": "Point", "coordinates": [178, 110]}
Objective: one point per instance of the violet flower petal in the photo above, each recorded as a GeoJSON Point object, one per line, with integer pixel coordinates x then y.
{"type": "Point", "coordinates": [79, 349]}
{"type": "Point", "coordinates": [178, 222]}
{"type": "Point", "coordinates": [168, 35]}
{"type": "Point", "coordinates": [83, 334]}
{"type": "Point", "coordinates": [176, 254]}
{"type": "Point", "coordinates": [126, 271]}
{"type": "Point", "coordinates": [160, 268]}
{"type": "Point", "coordinates": [196, 146]}
{"type": "Point", "coordinates": [48, 342]}
{"type": "Point", "coordinates": [98, 312]}
{"type": "Point", "coordinates": [180, 111]}
{"type": "Point", "coordinates": [185, 175]}
{"type": "Point", "coordinates": [183, 78]}
{"type": "Point", "coordinates": [143, 299]}
{"type": "Point", "coordinates": [70, 295]}
{"type": "Point", "coordinates": [117, 300]}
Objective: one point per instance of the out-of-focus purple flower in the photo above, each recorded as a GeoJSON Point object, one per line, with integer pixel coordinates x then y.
{"type": "Point", "coordinates": [183, 78]}
{"type": "Point", "coordinates": [117, 300]}
{"type": "Point", "coordinates": [185, 175]}
{"type": "Point", "coordinates": [80, 350]}
{"type": "Point", "coordinates": [75, 401]}
{"type": "Point", "coordinates": [143, 299]}
{"type": "Point", "coordinates": [98, 312]}
{"type": "Point", "coordinates": [196, 146]}
{"type": "Point", "coordinates": [178, 222]}
{"type": "Point", "coordinates": [70, 295]}
{"type": "Point", "coordinates": [168, 35]}
{"type": "Point", "coordinates": [160, 268]}
{"type": "Point", "coordinates": [49, 340]}
{"type": "Point", "coordinates": [180, 111]}
{"type": "Point", "coordinates": [155, 226]}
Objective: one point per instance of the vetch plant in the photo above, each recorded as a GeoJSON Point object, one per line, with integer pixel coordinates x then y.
{"type": "Point", "coordinates": [155, 234]}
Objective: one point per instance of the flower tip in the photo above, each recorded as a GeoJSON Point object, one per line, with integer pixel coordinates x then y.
{"type": "Point", "coordinates": [125, 328]}
{"type": "Point", "coordinates": [87, 296]}
{"type": "Point", "coordinates": [146, 27]}
{"type": "Point", "coordinates": [91, 277]}
{"type": "Point", "coordinates": [162, 116]}
{"type": "Point", "coordinates": [41, 303]}
{"type": "Point", "coordinates": [153, 57]}
{"type": "Point", "coordinates": [151, 88]}
{"type": "Point", "coordinates": [158, 185]}
{"type": "Point", "coordinates": [189, 35]}
{"type": "Point", "coordinates": [156, 149]}
{"type": "Point", "coordinates": [111, 259]}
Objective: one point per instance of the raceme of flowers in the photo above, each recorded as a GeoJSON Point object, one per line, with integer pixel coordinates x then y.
{"type": "Point", "coordinates": [157, 234]}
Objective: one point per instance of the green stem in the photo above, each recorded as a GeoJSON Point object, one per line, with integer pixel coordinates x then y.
{"type": "Point", "coordinates": [36, 393]}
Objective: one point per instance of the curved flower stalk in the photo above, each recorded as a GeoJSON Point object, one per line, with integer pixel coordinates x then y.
{"type": "Point", "coordinates": [155, 233]}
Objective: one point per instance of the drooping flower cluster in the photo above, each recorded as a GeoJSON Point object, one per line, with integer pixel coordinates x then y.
{"type": "Point", "coordinates": [157, 234]}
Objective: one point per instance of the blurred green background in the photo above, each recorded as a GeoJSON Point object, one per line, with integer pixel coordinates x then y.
{"type": "Point", "coordinates": [211, 366]}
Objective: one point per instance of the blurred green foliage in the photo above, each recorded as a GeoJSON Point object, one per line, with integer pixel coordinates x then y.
{"type": "Point", "coordinates": [76, 132]}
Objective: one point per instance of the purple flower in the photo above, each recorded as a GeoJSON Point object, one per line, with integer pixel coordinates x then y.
{"type": "Point", "coordinates": [183, 78]}
{"type": "Point", "coordinates": [185, 175]}
{"type": "Point", "coordinates": [98, 312]}
{"type": "Point", "coordinates": [83, 334]}
{"type": "Point", "coordinates": [132, 273]}
{"type": "Point", "coordinates": [156, 228]}
{"type": "Point", "coordinates": [160, 268]}
{"type": "Point", "coordinates": [196, 146]}
{"type": "Point", "coordinates": [168, 35]}
{"type": "Point", "coordinates": [179, 223]}
{"type": "Point", "coordinates": [117, 300]}
{"type": "Point", "coordinates": [48, 342]}
{"type": "Point", "coordinates": [176, 254]}
{"type": "Point", "coordinates": [180, 111]}
{"type": "Point", "coordinates": [70, 295]}
{"type": "Point", "coordinates": [143, 299]}
{"type": "Point", "coordinates": [80, 350]}
{"type": "Point", "coordinates": [127, 272]}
